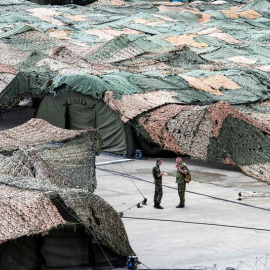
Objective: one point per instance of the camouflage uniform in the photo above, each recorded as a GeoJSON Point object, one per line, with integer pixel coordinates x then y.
{"type": "Point", "coordinates": [180, 180]}
{"type": "Point", "coordinates": [158, 185]}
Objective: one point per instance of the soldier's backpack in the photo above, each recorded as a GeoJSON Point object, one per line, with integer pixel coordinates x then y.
{"type": "Point", "coordinates": [188, 175]}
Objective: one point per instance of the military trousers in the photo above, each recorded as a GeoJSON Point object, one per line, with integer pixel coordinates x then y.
{"type": "Point", "coordinates": [158, 191]}
{"type": "Point", "coordinates": [181, 192]}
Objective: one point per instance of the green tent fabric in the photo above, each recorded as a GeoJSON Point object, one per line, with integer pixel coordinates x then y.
{"type": "Point", "coordinates": [84, 83]}
{"type": "Point", "coordinates": [111, 128]}
{"type": "Point", "coordinates": [73, 110]}
{"type": "Point", "coordinates": [66, 248]}
{"type": "Point", "coordinates": [51, 111]}
{"type": "Point", "coordinates": [21, 255]}
{"type": "Point", "coordinates": [80, 116]}
{"type": "Point", "coordinates": [23, 84]}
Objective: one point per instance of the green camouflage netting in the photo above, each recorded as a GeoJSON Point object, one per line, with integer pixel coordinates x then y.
{"type": "Point", "coordinates": [143, 58]}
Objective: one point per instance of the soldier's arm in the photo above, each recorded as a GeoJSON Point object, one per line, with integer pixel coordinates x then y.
{"type": "Point", "coordinates": [155, 173]}
{"type": "Point", "coordinates": [183, 170]}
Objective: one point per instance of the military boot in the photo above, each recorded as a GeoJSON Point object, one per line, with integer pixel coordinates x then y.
{"type": "Point", "coordinates": [180, 205]}
{"type": "Point", "coordinates": [159, 206]}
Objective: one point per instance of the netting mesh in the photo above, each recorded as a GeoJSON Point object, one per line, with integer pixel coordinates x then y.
{"type": "Point", "coordinates": [187, 122]}
{"type": "Point", "coordinates": [47, 180]}
{"type": "Point", "coordinates": [138, 57]}
{"type": "Point", "coordinates": [19, 164]}
{"type": "Point", "coordinates": [155, 125]}
{"type": "Point", "coordinates": [148, 34]}
{"type": "Point", "coordinates": [211, 132]}
{"type": "Point", "coordinates": [245, 152]}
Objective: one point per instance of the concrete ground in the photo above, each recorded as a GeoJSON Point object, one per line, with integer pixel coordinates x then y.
{"type": "Point", "coordinates": [187, 238]}
{"type": "Point", "coordinates": [179, 245]}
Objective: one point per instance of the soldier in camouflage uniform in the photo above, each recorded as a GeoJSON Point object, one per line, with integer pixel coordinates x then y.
{"type": "Point", "coordinates": [180, 180]}
{"type": "Point", "coordinates": [157, 174]}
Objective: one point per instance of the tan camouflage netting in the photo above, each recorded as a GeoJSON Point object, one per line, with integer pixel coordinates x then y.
{"type": "Point", "coordinates": [210, 133]}
{"type": "Point", "coordinates": [41, 132]}
{"type": "Point", "coordinates": [32, 177]}
{"type": "Point", "coordinates": [102, 219]}
{"type": "Point", "coordinates": [25, 212]}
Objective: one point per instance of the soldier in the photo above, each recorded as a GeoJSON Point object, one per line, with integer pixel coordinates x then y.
{"type": "Point", "coordinates": [180, 180]}
{"type": "Point", "coordinates": [157, 174]}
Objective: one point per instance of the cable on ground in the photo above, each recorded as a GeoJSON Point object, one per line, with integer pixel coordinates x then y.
{"type": "Point", "coordinates": [199, 223]}
{"type": "Point", "coordinates": [125, 173]}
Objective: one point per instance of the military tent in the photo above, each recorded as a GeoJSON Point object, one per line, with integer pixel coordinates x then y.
{"type": "Point", "coordinates": [47, 205]}
{"type": "Point", "coordinates": [77, 111]}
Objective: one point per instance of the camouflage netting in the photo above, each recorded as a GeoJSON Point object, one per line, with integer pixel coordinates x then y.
{"type": "Point", "coordinates": [48, 182]}
{"type": "Point", "coordinates": [38, 132]}
{"type": "Point", "coordinates": [26, 209]}
{"type": "Point", "coordinates": [26, 212]}
{"type": "Point", "coordinates": [210, 133]}
{"type": "Point", "coordinates": [175, 71]}
{"type": "Point", "coordinates": [103, 220]}
{"type": "Point", "coordinates": [62, 2]}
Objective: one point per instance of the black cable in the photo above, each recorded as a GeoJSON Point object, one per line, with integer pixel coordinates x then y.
{"type": "Point", "coordinates": [199, 223]}
{"type": "Point", "coordinates": [129, 208]}
{"type": "Point", "coordinates": [137, 204]}
{"type": "Point", "coordinates": [130, 178]}
{"type": "Point", "coordinates": [125, 174]}
{"type": "Point", "coordinates": [145, 265]}
{"type": "Point", "coordinates": [192, 192]}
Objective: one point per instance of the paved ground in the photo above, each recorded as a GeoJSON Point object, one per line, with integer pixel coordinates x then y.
{"type": "Point", "coordinates": [176, 244]}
